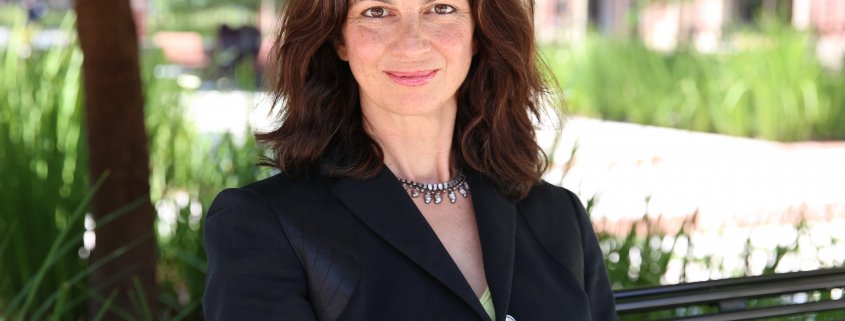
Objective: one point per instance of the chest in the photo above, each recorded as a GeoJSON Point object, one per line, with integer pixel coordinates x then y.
{"type": "Point", "coordinates": [456, 227]}
{"type": "Point", "coordinates": [395, 288]}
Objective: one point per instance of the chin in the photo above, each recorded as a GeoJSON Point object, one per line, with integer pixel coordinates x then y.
{"type": "Point", "coordinates": [417, 105]}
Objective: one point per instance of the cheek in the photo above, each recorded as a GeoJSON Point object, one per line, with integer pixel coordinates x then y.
{"type": "Point", "coordinates": [365, 46]}
{"type": "Point", "coordinates": [455, 42]}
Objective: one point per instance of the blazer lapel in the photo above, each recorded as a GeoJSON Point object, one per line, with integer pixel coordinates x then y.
{"type": "Point", "coordinates": [383, 205]}
{"type": "Point", "coordinates": [495, 215]}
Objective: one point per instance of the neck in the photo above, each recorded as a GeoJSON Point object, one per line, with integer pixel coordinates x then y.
{"type": "Point", "coordinates": [417, 148]}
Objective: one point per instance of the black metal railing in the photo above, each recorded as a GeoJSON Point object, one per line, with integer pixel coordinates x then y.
{"type": "Point", "coordinates": [730, 295]}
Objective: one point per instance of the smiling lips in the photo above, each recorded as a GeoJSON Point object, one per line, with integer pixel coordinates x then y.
{"type": "Point", "coordinates": [412, 79]}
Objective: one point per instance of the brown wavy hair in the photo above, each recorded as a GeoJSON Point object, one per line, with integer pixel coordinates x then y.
{"type": "Point", "coordinates": [321, 119]}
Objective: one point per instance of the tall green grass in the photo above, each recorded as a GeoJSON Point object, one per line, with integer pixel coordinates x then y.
{"type": "Point", "coordinates": [44, 178]}
{"type": "Point", "coordinates": [43, 162]}
{"type": "Point", "coordinates": [766, 85]}
{"type": "Point", "coordinates": [44, 189]}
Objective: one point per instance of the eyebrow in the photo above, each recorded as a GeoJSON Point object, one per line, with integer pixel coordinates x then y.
{"type": "Point", "coordinates": [390, 2]}
{"type": "Point", "coordinates": [359, 1]}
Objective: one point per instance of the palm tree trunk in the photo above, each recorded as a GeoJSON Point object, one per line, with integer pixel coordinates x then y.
{"type": "Point", "coordinates": [117, 144]}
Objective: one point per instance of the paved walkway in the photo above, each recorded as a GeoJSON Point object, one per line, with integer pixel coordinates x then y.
{"type": "Point", "coordinates": [730, 181]}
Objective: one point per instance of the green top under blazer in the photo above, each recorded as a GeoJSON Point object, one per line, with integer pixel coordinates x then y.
{"type": "Point", "coordinates": [487, 303]}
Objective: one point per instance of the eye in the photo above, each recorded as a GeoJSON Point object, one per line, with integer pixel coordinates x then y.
{"type": "Point", "coordinates": [375, 12]}
{"type": "Point", "coordinates": [443, 9]}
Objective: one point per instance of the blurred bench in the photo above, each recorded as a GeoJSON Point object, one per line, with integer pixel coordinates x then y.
{"type": "Point", "coordinates": [730, 295]}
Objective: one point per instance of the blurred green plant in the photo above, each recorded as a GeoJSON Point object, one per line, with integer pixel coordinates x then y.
{"type": "Point", "coordinates": [767, 85]}
{"type": "Point", "coordinates": [12, 11]}
{"type": "Point", "coordinates": [198, 5]}
{"type": "Point", "coordinates": [648, 256]}
{"type": "Point", "coordinates": [43, 178]}
{"type": "Point", "coordinates": [28, 303]}
{"type": "Point", "coordinates": [188, 169]}
{"type": "Point", "coordinates": [43, 162]}
{"type": "Point", "coordinates": [205, 21]}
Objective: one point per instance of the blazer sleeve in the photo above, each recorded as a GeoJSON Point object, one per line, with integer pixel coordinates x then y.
{"type": "Point", "coordinates": [596, 280]}
{"type": "Point", "coordinates": [253, 272]}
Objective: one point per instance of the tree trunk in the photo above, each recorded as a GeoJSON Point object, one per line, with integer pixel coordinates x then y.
{"type": "Point", "coordinates": [118, 144]}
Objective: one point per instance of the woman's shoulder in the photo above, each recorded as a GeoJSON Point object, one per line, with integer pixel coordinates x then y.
{"type": "Point", "coordinates": [552, 197]}
{"type": "Point", "coordinates": [295, 190]}
{"type": "Point", "coordinates": [557, 218]}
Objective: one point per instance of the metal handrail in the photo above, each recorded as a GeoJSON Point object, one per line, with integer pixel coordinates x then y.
{"type": "Point", "coordinates": [730, 295]}
{"type": "Point", "coordinates": [768, 312]}
{"type": "Point", "coordinates": [622, 294]}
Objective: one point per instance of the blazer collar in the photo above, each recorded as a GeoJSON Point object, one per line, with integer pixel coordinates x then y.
{"type": "Point", "coordinates": [383, 205]}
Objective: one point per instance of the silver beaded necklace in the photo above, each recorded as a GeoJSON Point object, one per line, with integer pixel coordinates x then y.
{"type": "Point", "coordinates": [459, 184]}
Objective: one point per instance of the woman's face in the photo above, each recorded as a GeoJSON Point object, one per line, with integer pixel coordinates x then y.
{"type": "Point", "coordinates": [408, 56]}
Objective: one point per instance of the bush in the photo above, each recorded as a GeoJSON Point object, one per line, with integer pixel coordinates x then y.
{"type": "Point", "coordinates": [766, 86]}
{"type": "Point", "coordinates": [44, 183]}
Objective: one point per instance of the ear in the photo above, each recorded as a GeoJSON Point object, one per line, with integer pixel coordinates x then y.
{"type": "Point", "coordinates": [340, 48]}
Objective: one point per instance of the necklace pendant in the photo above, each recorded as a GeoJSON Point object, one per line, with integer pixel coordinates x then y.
{"type": "Point", "coordinates": [435, 191]}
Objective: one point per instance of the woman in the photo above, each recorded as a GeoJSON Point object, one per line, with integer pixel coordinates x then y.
{"type": "Point", "coordinates": [411, 182]}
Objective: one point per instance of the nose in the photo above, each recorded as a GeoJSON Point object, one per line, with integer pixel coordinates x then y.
{"type": "Point", "coordinates": [412, 42]}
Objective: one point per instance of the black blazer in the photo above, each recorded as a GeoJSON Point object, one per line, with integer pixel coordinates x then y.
{"type": "Point", "coordinates": [322, 248]}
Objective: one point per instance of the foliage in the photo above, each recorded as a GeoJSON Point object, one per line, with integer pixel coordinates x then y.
{"type": "Point", "coordinates": [11, 12]}
{"type": "Point", "coordinates": [767, 85]}
{"type": "Point", "coordinates": [197, 5]}
{"type": "Point", "coordinates": [647, 256]}
{"type": "Point", "coordinates": [43, 179]}
{"type": "Point", "coordinates": [188, 170]}
{"type": "Point", "coordinates": [43, 163]}
{"type": "Point", "coordinates": [205, 21]}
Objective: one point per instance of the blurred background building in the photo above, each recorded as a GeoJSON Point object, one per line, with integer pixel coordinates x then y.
{"type": "Point", "coordinates": [707, 24]}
